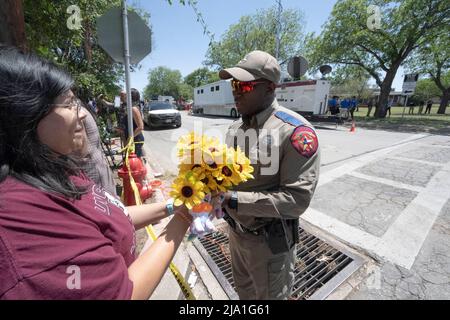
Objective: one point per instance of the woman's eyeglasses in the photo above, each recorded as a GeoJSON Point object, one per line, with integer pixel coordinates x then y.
{"type": "Point", "coordinates": [74, 104]}
{"type": "Point", "coordinates": [244, 86]}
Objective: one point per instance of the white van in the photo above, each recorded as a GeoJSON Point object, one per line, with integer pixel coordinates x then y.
{"type": "Point", "coordinates": [215, 99]}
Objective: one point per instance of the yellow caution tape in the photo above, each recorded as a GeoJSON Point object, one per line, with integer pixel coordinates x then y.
{"type": "Point", "coordinates": [188, 294]}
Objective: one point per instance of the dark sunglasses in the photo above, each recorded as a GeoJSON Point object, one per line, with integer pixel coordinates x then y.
{"type": "Point", "coordinates": [244, 86]}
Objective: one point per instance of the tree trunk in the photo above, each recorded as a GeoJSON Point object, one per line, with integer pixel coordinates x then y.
{"type": "Point", "coordinates": [12, 24]}
{"type": "Point", "coordinates": [385, 90]}
{"type": "Point", "coordinates": [444, 101]}
{"type": "Point", "coordinates": [87, 42]}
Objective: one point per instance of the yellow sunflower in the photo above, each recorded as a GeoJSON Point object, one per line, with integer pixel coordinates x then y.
{"type": "Point", "coordinates": [209, 182]}
{"type": "Point", "coordinates": [187, 191]}
{"type": "Point", "coordinates": [228, 172]}
{"type": "Point", "coordinates": [223, 185]}
{"type": "Point", "coordinates": [188, 144]}
{"type": "Point", "coordinates": [241, 165]}
{"type": "Point", "coordinates": [198, 170]}
{"type": "Point", "coordinates": [214, 157]}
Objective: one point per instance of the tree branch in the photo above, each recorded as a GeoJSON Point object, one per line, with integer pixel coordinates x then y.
{"type": "Point", "coordinates": [369, 70]}
{"type": "Point", "coordinates": [382, 63]}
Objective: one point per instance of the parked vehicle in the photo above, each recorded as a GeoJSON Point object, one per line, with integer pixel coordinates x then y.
{"type": "Point", "coordinates": [215, 99]}
{"type": "Point", "coordinates": [166, 99]}
{"type": "Point", "coordinates": [157, 114]}
{"type": "Point", "coordinates": [307, 97]}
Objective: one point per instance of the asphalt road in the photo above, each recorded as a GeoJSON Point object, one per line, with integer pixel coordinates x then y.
{"type": "Point", "coordinates": [337, 143]}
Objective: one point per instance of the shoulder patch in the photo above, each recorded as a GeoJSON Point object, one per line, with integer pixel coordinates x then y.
{"type": "Point", "coordinates": [305, 141]}
{"type": "Point", "coordinates": [285, 117]}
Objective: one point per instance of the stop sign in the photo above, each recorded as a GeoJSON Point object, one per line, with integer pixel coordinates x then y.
{"type": "Point", "coordinates": [110, 35]}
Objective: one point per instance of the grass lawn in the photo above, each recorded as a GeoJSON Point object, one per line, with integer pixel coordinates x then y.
{"type": "Point", "coordinates": [430, 123]}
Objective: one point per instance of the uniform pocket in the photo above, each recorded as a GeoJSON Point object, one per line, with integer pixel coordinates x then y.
{"type": "Point", "coordinates": [278, 277]}
{"type": "Point", "coordinates": [276, 264]}
{"type": "Point", "coordinates": [277, 269]}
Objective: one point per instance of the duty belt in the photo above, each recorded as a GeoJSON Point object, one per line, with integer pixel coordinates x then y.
{"type": "Point", "coordinates": [239, 227]}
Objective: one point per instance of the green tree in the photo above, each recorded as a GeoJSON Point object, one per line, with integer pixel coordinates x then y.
{"type": "Point", "coordinates": [350, 81]}
{"type": "Point", "coordinates": [75, 49]}
{"type": "Point", "coordinates": [433, 59]}
{"type": "Point", "coordinates": [257, 32]}
{"type": "Point", "coordinates": [350, 38]}
{"type": "Point", "coordinates": [200, 77]}
{"type": "Point", "coordinates": [426, 89]}
{"type": "Point", "coordinates": [186, 91]}
{"type": "Point", "coordinates": [163, 81]}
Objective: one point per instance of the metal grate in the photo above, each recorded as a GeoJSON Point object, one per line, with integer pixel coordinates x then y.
{"type": "Point", "coordinates": [319, 269]}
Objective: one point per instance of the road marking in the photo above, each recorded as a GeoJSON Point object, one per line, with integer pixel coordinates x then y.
{"type": "Point", "coordinates": [363, 160]}
{"type": "Point", "coordinates": [404, 238]}
{"type": "Point", "coordinates": [402, 241]}
{"type": "Point", "coordinates": [388, 182]}
{"type": "Point", "coordinates": [433, 145]}
{"type": "Point", "coordinates": [436, 164]}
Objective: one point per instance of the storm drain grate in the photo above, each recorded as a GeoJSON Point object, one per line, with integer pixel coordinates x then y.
{"type": "Point", "coordinates": [319, 269]}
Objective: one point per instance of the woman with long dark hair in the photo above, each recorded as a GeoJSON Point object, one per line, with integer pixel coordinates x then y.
{"type": "Point", "coordinates": [138, 123]}
{"type": "Point", "coordinates": [61, 236]}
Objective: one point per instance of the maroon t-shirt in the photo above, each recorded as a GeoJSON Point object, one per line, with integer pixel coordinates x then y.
{"type": "Point", "coordinates": [54, 248]}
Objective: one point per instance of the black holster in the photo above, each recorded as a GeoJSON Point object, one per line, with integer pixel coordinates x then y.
{"type": "Point", "coordinates": [281, 235]}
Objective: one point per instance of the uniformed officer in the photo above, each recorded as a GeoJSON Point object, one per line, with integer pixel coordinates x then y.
{"type": "Point", "coordinates": [263, 212]}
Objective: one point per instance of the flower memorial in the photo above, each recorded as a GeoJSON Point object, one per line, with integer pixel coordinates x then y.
{"type": "Point", "coordinates": [207, 169]}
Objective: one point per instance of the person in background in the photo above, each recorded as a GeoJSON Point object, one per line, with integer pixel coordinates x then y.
{"type": "Point", "coordinates": [105, 110]}
{"type": "Point", "coordinates": [138, 123]}
{"type": "Point", "coordinates": [421, 105]}
{"type": "Point", "coordinates": [91, 156]}
{"type": "Point", "coordinates": [369, 107]}
{"type": "Point", "coordinates": [353, 103]}
{"type": "Point", "coordinates": [429, 105]}
{"type": "Point", "coordinates": [62, 236]}
{"type": "Point", "coordinates": [411, 108]}
{"type": "Point", "coordinates": [332, 105]}
{"type": "Point", "coordinates": [345, 104]}
{"type": "Point", "coordinates": [92, 105]}
{"type": "Point", "coordinates": [388, 106]}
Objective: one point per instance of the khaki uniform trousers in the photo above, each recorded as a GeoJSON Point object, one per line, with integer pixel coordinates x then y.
{"type": "Point", "coordinates": [258, 273]}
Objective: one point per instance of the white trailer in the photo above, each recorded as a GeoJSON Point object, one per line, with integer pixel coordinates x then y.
{"type": "Point", "coordinates": [308, 97]}
{"type": "Point", "coordinates": [215, 99]}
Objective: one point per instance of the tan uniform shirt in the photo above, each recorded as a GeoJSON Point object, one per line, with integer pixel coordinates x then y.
{"type": "Point", "coordinates": [285, 179]}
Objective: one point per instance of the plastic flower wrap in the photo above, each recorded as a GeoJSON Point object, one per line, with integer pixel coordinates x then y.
{"type": "Point", "coordinates": [207, 169]}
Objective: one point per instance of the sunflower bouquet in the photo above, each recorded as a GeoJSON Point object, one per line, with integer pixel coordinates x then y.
{"type": "Point", "coordinates": [207, 169]}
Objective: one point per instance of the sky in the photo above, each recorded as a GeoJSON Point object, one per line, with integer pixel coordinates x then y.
{"type": "Point", "coordinates": [178, 39]}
